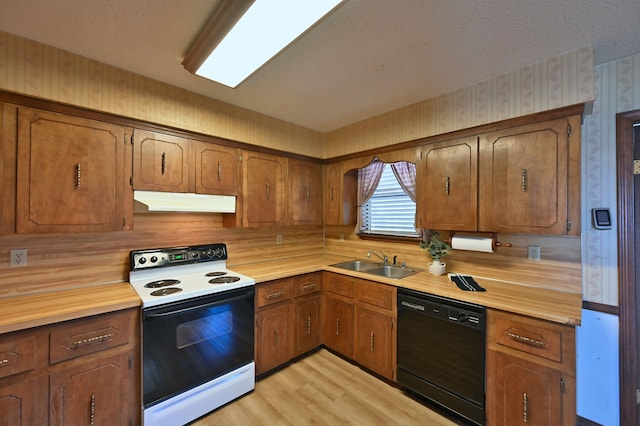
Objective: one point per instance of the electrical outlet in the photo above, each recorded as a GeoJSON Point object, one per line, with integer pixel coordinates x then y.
{"type": "Point", "coordinates": [279, 239]}
{"type": "Point", "coordinates": [534, 253]}
{"type": "Point", "coordinates": [18, 257]}
{"type": "Point", "coordinates": [341, 237]}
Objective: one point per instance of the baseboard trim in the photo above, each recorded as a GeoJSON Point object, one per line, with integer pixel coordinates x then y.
{"type": "Point", "coordinates": [581, 421]}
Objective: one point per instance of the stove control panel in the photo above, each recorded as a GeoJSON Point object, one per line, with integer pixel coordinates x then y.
{"type": "Point", "coordinates": [163, 257]}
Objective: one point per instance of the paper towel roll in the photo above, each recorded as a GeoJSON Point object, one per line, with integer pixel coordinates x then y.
{"type": "Point", "coordinates": [472, 243]}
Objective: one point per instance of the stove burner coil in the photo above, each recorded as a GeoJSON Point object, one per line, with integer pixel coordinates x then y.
{"type": "Point", "coordinates": [166, 291]}
{"type": "Point", "coordinates": [224, 280]}
{"type": "Point", "coordinates": [161, 283]}
{"type": "Point", "coordinates": [215, 274]}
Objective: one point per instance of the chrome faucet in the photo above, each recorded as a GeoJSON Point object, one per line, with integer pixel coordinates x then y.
{"type": "Point", "coordinates": [380, 256]}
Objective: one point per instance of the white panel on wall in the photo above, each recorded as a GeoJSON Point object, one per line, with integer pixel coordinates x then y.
{"type": "Point", "coordinates": [597, 368]}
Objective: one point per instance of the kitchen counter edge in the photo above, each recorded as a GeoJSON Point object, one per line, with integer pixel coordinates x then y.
{"type": "Point", "coordinates": [34, 310]}
{"type": "Point", "coordinates": [558, 306]}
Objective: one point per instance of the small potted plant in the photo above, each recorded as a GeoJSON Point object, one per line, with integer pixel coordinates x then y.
{"type": "Point", "coordinates": [437, 250]}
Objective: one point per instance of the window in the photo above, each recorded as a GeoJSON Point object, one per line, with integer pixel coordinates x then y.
{"type": "Point", "coordinates": [390, 210]}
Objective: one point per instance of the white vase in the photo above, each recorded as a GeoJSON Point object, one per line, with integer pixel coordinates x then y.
{"type": "Point", "coordinates": [437, 268]}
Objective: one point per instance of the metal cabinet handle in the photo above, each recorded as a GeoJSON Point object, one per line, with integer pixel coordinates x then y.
{"type": "Point", "coordinates": [163, 164]}
{"type": "Point", "coordinates": [308, 325]}
{"type": "Point", "coordinates": [92, 411]}
{"type": "Point", "coordinates": [219, 171]}
{"type": "Point", "coordinates": [275, 339]}
{"type": "Point", "coordinates": [525, 414]}
{"type": "Point", "coordinates": [268, 190]}
{"type": "Point", "coordinates": [372, 341]}
{"type": "Point", "coordinates": [446, 185]}
{"type": "Point", "coordinates": [78, 175]}
{"type": "Point", "coordinates": [308, 194]}
{"type": "Point", "coordinates": [523, 180]}
{"type": "Point", "coordinates": [91, 340]}
{"type": "Point", "coordinates": [331, 192]}
{"type": "Point", "coordinates": [526, 340]}
{"type": "Point", "coordinates": [337, 326]}
{"type": "Point", "coordinates": [3, 361]}
{"type": "Point", "coordinates": [275, 295]}
{"type": "Point", "coordinates": [309, 286]}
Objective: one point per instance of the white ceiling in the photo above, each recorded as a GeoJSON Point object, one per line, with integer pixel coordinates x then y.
{"type": "Point", "coordinates": [369, 57]}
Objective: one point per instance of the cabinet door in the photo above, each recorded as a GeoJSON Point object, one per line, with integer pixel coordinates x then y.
{"type": "Point", "coordinates": [216, 169]}
{"type": "Point", "coordinates": [307, 324]}
{"type": "Point", "coordinates": [305, 193]}
{"type": "Point", "coordinates": [373, 341]}
{"type": "Point", "coordinates": [160, 162]}
{"type": "Point", "coordinates": [94, 393]}
{"type": "Point", "coordinates": [18, 404]}
{"type": "Point", "coordinates": [523, 179]}
{"type": "Point", "coordinates": [525, 393]}
{"type": "Point", "coordinates": [332, 195]}
{"type": "Point", "coordinates": [448, 186]}
{"type": "Point", "coordinates": [263, 178]}
{"type": "Point", "coordinates": [71, 174]}
{"type": "Point", "coordinates": [337, 328]}
{"type": "Point", "coordinates": [273, 338]}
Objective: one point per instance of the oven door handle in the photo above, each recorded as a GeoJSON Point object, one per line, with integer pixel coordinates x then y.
{"type": "Point", "coordinates": [196, 307]}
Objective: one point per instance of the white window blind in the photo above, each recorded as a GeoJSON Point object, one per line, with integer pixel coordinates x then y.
{"type": "Point", "coordinates": [389, 211]}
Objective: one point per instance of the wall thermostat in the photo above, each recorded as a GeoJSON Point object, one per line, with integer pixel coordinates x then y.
{"type": "Point", "coordinates": [601, 218]}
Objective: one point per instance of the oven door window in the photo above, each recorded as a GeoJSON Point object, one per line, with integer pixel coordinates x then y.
{"type": "Point", "coordinates": [192, 342]}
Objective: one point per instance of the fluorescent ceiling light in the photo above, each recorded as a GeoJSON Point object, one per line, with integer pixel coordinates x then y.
{"type": "Point", "coordinates": [267, 27]}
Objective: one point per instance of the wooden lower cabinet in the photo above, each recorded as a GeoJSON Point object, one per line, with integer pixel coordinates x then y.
{"type": "Point", "coordinates": [358, 322]}
{"type": "Point", "coordinates": [526, 393]}
{"type": "Point", "coordinates": [19, 403]}
{"type": "Point", "coordinates": [531, 377]}
{"type": "Point", "coordinates": [273, 337]}
{"type": "Point", "coordinates": [337, 329]}
{"type": "Point", "coordinates": [287, 320]}
{"type": "Point", "coordinates": [88, 393]}
{"type": "Point", "coordinates": [96, 382]}
{"type": "Point", "coordinates": [373, 341]}
{"type": "Point", "coordinates": [307, 324]}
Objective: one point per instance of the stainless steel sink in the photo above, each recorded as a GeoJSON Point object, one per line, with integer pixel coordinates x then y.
{"type": "Point", "coordinates": [393, 271]}
{"type": "Point", "coordinates": [357, 265]}
{"type": "Point", "coordinates": [378, 269]}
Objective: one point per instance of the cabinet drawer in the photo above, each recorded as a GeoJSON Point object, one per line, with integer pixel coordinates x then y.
{"type": "Point", "coordinates": [273, 292]}
{"type": "Point", "coordinates": [88, 335]}
{"type": "Point", "coordinates": [340, 284]}
{"type": "Point", "coordinates": [375, 294]}
{"type": "Point", "coordinates": [532, 336]}
{"type": "Point", "coordinates": [17, 354]}
{"type": "Point", "coordinates": [306, 284]}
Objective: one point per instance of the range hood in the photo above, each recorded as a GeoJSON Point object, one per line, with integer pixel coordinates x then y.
{"type": "Point", "coordinates": [152, 201]}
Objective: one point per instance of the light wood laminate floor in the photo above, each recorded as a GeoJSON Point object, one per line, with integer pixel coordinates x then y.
{"type": "Point", "coordinates": [324, 389]}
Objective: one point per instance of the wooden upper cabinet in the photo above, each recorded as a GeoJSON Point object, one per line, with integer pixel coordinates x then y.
{"type": "Point", "coordinates": [340, 195]}
{"type": "Point", "coordinates": [161, 162]}
{"type": "Point", "coordinates": [448, 187]}
{"type": "Point", "coordinates": [305, 193]}
{"type": "Point", "coordinates": [71, 174]}
{"type": "Point", "coordinates": [263, 185]}
{"type": "Point", "coordinates": [175, 164]}
{"type": "Point", "coordinates": [331, 190]}
{"type": "Point", "coordinates": [216, 169]}
{"type": "Point", "coordinates": [524, 179]}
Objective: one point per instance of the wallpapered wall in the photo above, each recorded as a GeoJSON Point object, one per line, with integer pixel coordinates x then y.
{"type": "Point", "coordinates": [617, 89]}
{"type": "Point", "coordinates": [39, 70]}
{"type": "Point", "coordinates": [557, 82]}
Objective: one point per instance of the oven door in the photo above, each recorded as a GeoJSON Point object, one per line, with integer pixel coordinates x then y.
{"type": "Point", "coordinates": [189, 343]}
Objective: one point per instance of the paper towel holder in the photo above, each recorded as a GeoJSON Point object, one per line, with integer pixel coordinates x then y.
{"type": "Point", "coordinates": [493, 235]}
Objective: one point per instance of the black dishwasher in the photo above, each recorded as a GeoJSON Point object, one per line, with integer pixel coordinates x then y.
{"type": "Point", "coordinates": [441, 352]}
